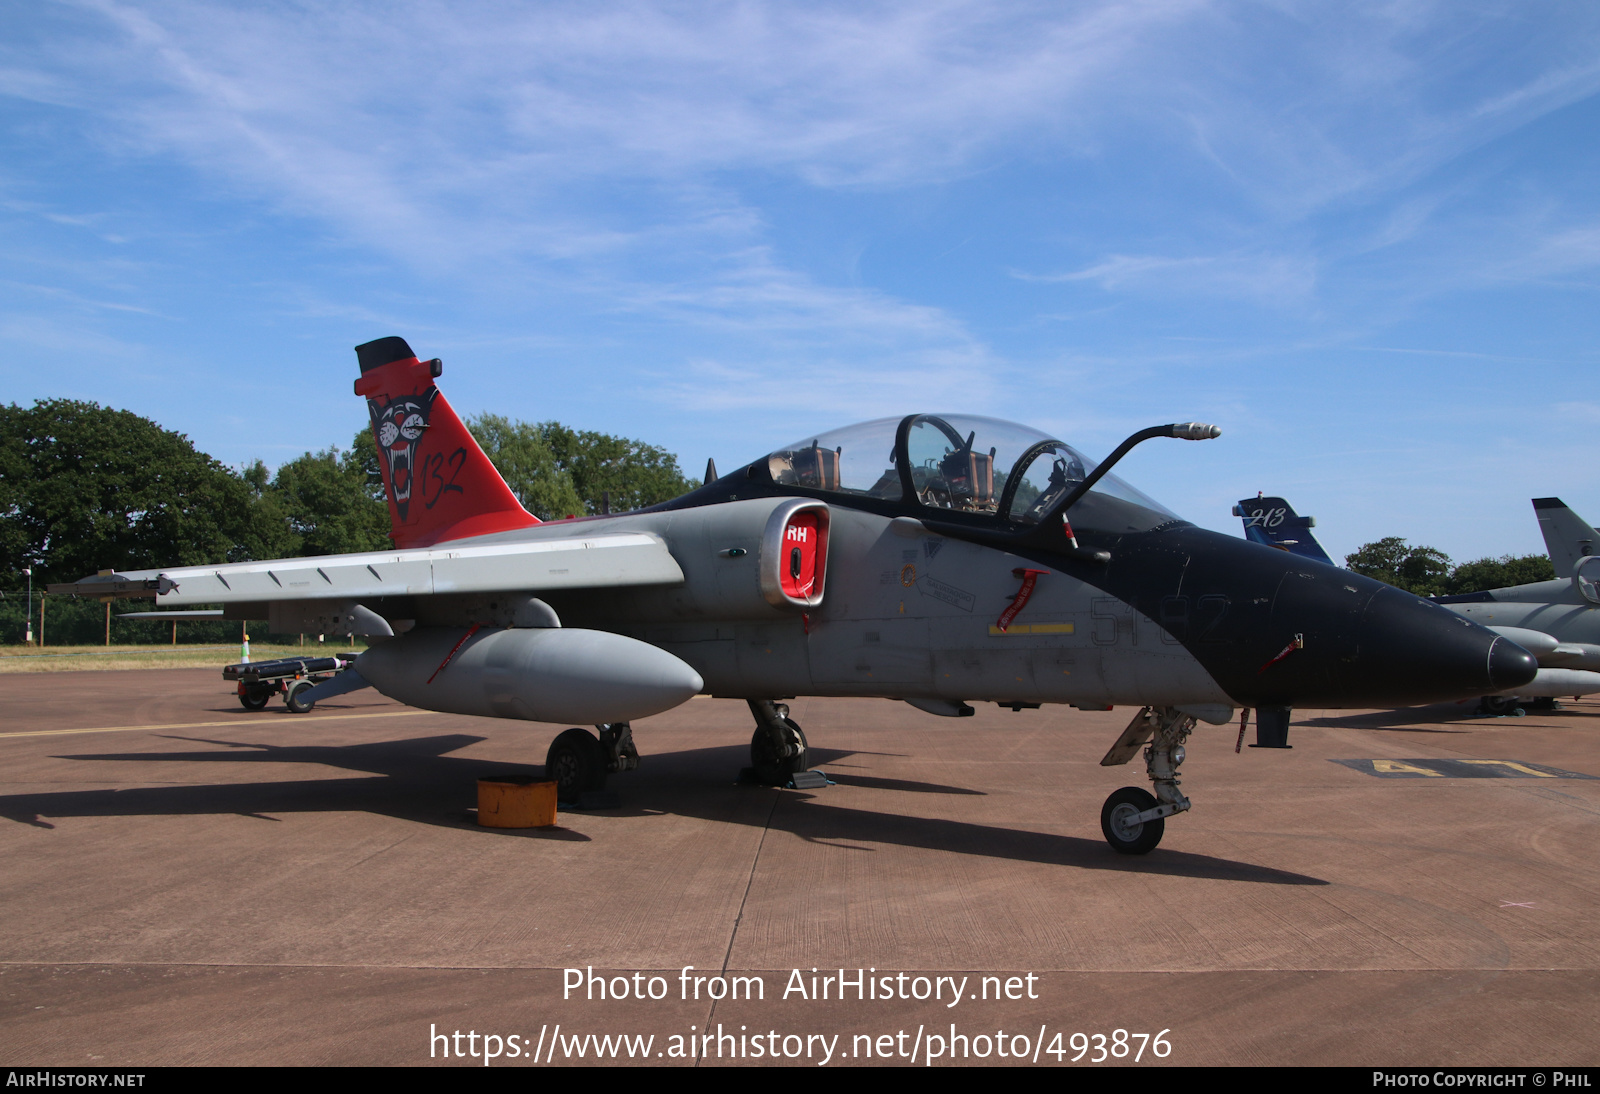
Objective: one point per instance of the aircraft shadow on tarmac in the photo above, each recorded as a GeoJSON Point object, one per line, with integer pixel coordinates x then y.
{"type": "Point", "coordinates": [1440, 718]}
{"type": "Point", "coordinates": [416, 779]}
{"type": "Point", "coordinates": [1405, 721]}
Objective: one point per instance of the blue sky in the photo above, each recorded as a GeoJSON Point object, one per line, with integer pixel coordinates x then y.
{"type": "Point", "coordinates": [1362, 238]}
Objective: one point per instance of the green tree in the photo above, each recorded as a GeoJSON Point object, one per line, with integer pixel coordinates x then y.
{"type": "Point", "coordinates": [327, 503]}
{"type": "Point", "coordinates": [635, 474]}
{"type": "Point", "coordinates": [1420, 570]}
{"type": "Point", "coordinates": [519, 452]}
{"type": "Point", "coordinates": [1499, 573]}
{"type": "Point", "coordinates": [84, 488]}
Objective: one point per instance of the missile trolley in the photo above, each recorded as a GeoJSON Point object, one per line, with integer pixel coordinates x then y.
{"type": "Point", "coordinates": [291, 677]}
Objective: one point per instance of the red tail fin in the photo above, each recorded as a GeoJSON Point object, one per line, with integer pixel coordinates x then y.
{"type": "Point", "coordinates": [440, 484]}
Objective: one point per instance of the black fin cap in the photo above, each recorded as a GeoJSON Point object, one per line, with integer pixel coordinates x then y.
{"type": "Point", "coordinates": [381, 351]}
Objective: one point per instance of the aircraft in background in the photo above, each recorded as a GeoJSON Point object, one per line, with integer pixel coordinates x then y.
{"type": "Point", "coordinates": [1558, 621]}
{"type": "Point", "coordinates": [938, 559]}
{"type": "Point", "coordinates": [1555, 620]}
{"type": "Point", "coordinates": [1273, 522]}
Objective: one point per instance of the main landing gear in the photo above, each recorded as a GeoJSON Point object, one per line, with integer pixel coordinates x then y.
{"type": "Point", "coordinates": [778, 751]}
{"type": "Point", "coordinates": [1133, 821]}
{"type": "Point", "coordinates": [578, 762]}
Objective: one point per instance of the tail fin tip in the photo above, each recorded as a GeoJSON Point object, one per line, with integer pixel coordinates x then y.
{"type": "Point", "coordinates": [382, 351]}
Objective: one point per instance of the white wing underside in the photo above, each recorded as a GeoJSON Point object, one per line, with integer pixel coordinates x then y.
{"type": "Point", "coordinates": [638, 558]}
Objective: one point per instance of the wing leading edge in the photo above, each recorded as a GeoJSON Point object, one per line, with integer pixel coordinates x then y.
{"type": "Point", "coordinates": [573, 562]}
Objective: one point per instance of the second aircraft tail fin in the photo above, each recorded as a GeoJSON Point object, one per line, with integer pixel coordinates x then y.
{"type": "Point", "coordinates": [440, 484]}
{"type": "Point", "coordinates": [1273, 522]}
{"type": "Point", "coordinates": [1567, 536]}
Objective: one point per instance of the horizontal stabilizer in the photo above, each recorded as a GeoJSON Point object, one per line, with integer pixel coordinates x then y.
{"type": "Point", "coordinates": [199, 613]}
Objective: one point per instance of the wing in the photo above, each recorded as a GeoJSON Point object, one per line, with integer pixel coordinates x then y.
{"type": "Point", "coordinates": [531, 566]}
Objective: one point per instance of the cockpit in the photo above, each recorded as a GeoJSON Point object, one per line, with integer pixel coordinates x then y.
{"type": "Point", "coordinates": [962, 463]}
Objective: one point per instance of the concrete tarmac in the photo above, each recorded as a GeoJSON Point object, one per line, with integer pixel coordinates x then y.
{"type": "Point", "coordinates": [189, 883]}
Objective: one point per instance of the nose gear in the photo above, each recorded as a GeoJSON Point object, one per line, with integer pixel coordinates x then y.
{"type": "Point", "coordinates": [1132, 820]}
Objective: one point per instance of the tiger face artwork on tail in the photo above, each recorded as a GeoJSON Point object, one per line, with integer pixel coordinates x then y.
{"type": "Point", "coordinates": [398, 427]}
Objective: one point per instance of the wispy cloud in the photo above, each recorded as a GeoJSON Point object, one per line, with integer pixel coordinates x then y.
{"type": "Point", "coordinates": [1282, 278]}
{"type": "Point", "coordinates": [1217, 192]}
{"type": "Point", "coordinates": [388, 119]}
{"type": "Point", "coordinates": [1581, 413]}
{"type": "Point", "coordinates": [807, 344]}
{"type": "Point", "coordinates": [68, 296]}
{"type": "Point", "coordinates": [569, 134]}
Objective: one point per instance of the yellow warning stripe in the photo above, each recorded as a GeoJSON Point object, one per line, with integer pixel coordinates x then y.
{"type": "Point", "coordinates": [245, 721]}
{"type": "Point", "coordinates": [1033, 628]}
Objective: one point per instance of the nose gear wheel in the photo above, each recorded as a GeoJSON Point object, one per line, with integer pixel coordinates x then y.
{"type": "Point", "coordinates": [1133, 820]}
{"type": "Point", "coordinates": [1122, 831]}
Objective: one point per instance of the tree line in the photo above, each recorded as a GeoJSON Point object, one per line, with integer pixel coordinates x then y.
{"type": "Point", "coordinates": [1427, 571]}
{"type": "Point", "coordinates": [85, 488]}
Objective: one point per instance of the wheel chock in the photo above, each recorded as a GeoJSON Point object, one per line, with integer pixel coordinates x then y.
{"type": "Point", "coordinates": [808, 780]}
{"type": "Point", "coordinates": [516, 803]}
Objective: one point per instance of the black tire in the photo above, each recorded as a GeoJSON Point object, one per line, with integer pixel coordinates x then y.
{"type": "Point", "coordinates": [576, 763]}
{"type": "Point", "coordinates": [1499, 704]}
{"type": "Point", "coordinates": [1130, 839]}
{"type": "Point", "coordinates": [253, 699]}
{"type": "Point", "coordinates": [293, 697]}
{"type": "Point", "coordinates": [771, 768]}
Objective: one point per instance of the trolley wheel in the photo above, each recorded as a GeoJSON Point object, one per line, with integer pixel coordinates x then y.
{"type": "Point", "coordinates": [254, 700]}
{"type": "Point", "coordinates": [295, 699]}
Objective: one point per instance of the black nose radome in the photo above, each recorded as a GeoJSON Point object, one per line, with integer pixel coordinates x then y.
{"type": "Point", "coordinates": [1510, 666]}
{"type": "Point", "coordinates": [1419, 652]}
{"type": "Point", "coordinates": [1372, 645]}
{"type": "Point", "coordinates": [1276, 630]}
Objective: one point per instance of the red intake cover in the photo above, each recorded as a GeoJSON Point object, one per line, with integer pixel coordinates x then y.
{"type": "Point", "coordinates": [805, 550]}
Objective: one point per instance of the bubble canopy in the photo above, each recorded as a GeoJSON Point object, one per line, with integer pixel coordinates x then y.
{"type": "Point", "coordinates": [962, 463]}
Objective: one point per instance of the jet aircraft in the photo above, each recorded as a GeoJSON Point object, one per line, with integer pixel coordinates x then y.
{"type": "Point", "coordinates": [940, 559]}
{"type": "Point", "coordinates": [1556, 620]}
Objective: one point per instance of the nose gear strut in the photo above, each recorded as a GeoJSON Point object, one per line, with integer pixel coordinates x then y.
{"type": "Point", "coordinates": [1133, 821]}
